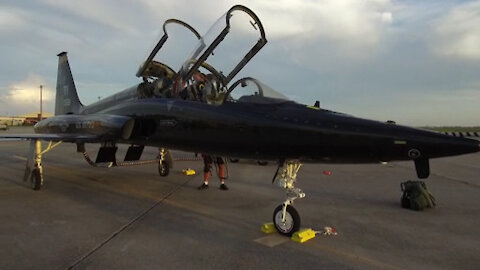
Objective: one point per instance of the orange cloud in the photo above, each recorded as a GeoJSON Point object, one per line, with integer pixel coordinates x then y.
{"type": "Point", "coordinates": [27, 91]}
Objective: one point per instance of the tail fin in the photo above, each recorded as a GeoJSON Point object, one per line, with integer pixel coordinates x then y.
{"type": "Point", "coordinates": [66, 99]}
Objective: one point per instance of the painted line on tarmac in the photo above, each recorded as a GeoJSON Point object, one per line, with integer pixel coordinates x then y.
{"type": "Point", "coordinates": [272, 240]}
{"type": "Point", "coordinates": [19, 157]}
{"type": "Point", "coordinates": [457, 180]}
{"type": "Point", "coordinates": [127, 225]}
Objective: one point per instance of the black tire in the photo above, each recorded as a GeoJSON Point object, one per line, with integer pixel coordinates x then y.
{"type": "Point", "coordinates": [262, 162]}
{"type": "Point", "coordinates": [234, 160]}
{"type": "Point", "coordinates": [292, 223]}
{"type": "Point", "coordinates": [163, 169]}
{"type": "Point", "coordinates": [36, 179]}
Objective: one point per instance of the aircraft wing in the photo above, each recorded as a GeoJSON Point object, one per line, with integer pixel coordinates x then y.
{"type": "Point", "coordinates": [79, 129]}
{"type": "Point", "coordinates": [51, 137]}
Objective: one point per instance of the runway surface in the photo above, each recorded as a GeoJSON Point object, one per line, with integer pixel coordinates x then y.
{"type": "Point", "coordinates": [131, 218]}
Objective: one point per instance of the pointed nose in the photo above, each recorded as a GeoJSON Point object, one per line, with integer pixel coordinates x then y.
{"type": "Point", "coordinates": [451, 146]}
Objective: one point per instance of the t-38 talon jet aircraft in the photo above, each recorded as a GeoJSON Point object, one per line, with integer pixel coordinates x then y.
{"type": "Point", "coordinates": [194, 107]}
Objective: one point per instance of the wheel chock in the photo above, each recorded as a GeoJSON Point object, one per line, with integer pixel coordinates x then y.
{"type": "Point", "coordinates": [303, 236]}
{"type": "Point", "coordinates": [188, 171]}
{"type": "Point", "coordinates": [268, 228]}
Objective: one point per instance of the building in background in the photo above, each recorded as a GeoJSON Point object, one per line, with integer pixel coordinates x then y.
{"type": "Point", "coordinates": [26, 119]}
{"type": "Point", "coordinates": [33, 118]}
{"type": "Point", "coordinates": [11, 120]}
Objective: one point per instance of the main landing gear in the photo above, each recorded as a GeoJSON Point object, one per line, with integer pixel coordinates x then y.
{"type": "Point", "coordinates": [106, 157]}
{"type": "Point", "coordinates": [164, 162]}
{"type": "Point", "coordinates": [33, 168]}
{"type": "Point", "coordinates": [285, 218]}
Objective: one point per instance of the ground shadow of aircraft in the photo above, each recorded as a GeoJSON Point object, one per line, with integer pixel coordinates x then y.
{"type": "Point", "coordinates": [197, 108]}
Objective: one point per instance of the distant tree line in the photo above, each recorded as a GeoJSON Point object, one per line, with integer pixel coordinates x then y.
{"type": "Point", "coordinates": [454, 129]}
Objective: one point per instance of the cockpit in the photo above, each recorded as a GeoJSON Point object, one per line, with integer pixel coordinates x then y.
{"type": "Point", "coordinates": [250, 90]}
{"type": "Point", "coordinates": [206, 73]}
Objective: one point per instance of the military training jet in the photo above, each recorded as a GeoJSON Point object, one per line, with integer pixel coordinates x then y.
{"type": "Point", "coordinates": [197, 107]}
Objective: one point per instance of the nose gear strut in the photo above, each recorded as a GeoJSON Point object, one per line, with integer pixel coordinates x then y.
{"type": "Point", "coordinates": [285, 216]}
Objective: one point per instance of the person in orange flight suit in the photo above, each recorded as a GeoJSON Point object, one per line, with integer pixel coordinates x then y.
{"type": "Point", "coordinates": [208, 162]}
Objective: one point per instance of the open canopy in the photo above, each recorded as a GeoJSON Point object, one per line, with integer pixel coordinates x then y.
{"type": "Point", "coordinates": [239, 29]}
{"type": "Point", "coordinates": [153, 67]}
{"type": "Point", "coordinates": [236, 28]}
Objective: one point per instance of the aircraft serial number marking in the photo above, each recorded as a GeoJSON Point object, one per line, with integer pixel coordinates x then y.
{"type": "Point", "coordinates": [87, 124]}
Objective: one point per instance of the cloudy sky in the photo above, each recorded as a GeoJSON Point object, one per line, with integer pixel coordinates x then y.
{"type": "Point", "coordinates": [415, 62]}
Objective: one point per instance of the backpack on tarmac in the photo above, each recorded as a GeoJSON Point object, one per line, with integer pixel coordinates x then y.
{"type": "Point", "coordinates": [416, 196]}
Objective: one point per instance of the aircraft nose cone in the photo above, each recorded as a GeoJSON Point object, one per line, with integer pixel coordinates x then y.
{"type": "Point", "coordinates": [458, 146]}
{"type": "Point", "coordinates": [439, 145]}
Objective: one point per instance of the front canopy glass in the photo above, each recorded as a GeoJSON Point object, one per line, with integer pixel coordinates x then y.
{"type": "Point", "coordinates": [250, 90]}
{"type": "Point", "coordinates": [242, 36]}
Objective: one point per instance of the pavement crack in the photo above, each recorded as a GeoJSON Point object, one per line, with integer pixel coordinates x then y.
{"type": "Point", "coordinates": [127, 225]}
{"type": "Point", "coordinates": [449, 178]}
{"type": "Point", "coordinates": [458, 180]}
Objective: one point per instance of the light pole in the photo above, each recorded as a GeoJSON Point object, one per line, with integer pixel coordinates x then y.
{"type": "Point", "coordinates": [40, 116]}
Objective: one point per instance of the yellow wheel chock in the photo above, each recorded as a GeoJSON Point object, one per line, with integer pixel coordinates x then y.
{"type": "Point", "coordinates": [303, 236]}
{"type": "Point", "coordinates": [268, 228]}
{"type": "Point", "coordinates": [188, 171]}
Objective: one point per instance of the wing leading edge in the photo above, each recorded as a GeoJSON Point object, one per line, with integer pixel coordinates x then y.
{"type": "Point", "coordinates": [52, 137]}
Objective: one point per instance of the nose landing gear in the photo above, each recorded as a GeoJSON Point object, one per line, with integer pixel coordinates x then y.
{"type": "Point", "coordinates": [285, 217]}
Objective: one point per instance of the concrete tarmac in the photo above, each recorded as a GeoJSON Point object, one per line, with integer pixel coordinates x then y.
{"type": "Point", "coordinates": [131, 218]}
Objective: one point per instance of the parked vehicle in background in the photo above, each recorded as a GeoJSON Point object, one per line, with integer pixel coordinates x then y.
{"type": "Point", "coordinates": [30, 122]}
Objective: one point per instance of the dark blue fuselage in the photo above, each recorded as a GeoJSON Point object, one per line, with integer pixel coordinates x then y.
{"type": "Point", "coordinates": [280, 131]}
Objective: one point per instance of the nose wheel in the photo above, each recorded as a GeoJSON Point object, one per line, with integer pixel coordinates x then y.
{"type": "Point", "coordinates": [286, 220]}
{"type": "Point", "coordinates": [285, 217]}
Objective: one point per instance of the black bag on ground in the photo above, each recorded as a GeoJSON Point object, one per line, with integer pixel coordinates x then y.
{"type": "Point", "coordinates": [416, 196]}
